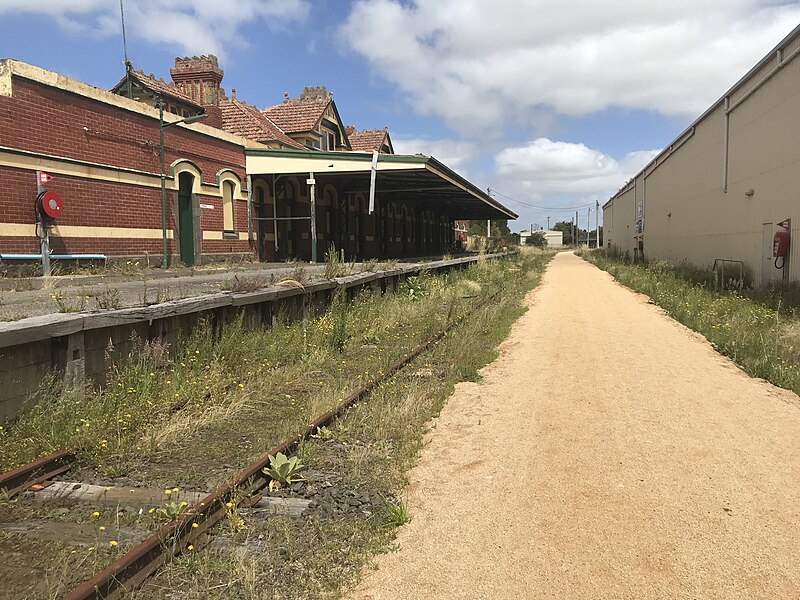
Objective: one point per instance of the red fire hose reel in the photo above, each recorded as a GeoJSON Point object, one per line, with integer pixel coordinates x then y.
{"type": "Point", "coordinates": [50, 204]}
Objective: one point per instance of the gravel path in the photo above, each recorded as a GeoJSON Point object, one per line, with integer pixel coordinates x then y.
{"type": "Point", "coordinates": [609, 453]}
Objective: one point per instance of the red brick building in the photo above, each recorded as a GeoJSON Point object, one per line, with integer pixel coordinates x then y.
{"type": "Point", "coordinates": [237, 183]}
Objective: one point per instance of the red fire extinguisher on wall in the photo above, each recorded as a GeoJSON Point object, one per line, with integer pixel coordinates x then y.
{"type": "Point", "coordinates": [780, 243]}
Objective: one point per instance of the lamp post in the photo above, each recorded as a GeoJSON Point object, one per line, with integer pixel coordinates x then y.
{"type": "Point", "coordinates": [161, 127]}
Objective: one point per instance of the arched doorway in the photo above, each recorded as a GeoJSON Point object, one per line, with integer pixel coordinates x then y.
{"type": "Point", "coordinates": [404, 229]}
{"type": "Point", "coordinates": [360, 233]}
{"type": "Point", "coordinates": [262, 219]}
{"type": "Point", "coordinates": [339, 224]}
{"type": "Point", "coordinates": [391, 228]}
{"type": "Point", "coordinates": [287, 230]}
{"type": "Point", "coordinates": [383, 233]}
{"type": "Point", "coordinates": [185, 218]}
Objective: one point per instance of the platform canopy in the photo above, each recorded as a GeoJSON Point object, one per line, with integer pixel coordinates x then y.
{"type": "Point", "coordinates": [416, 177]}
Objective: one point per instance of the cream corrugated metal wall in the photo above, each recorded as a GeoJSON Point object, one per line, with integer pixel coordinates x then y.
{"type": "Point", "coordinates": [686, 213]}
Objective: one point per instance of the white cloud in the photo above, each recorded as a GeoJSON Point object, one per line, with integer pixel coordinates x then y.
{"type": "Point", "coordinates": [500, 62]}
{"type": "Point", "coordinates": [551, 168]}
{"type": "Point", "coordinates": [454, 153]}
{"type": "Point", "coordinates": [193, 26]}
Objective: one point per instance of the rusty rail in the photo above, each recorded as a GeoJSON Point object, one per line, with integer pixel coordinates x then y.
{"type": "Point", "coordinates": [22, 478]}
{"type": "Point", "coordinates": [135, 566]}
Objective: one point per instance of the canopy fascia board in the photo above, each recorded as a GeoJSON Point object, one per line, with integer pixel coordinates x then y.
{"type": "Point", "coordinates": [264, 161]}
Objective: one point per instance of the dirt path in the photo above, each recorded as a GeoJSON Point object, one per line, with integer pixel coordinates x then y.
{"type": "Point", "coordinates": [609, 453]}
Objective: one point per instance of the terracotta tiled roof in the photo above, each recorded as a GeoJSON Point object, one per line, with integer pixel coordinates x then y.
{"type": "Point", "coordinates": [162, 87]}
{"type": "Point", "coordinates": [245, 120]}
{"type": "Point", "coordinates": [300, 114]}
{"type": "Point", "coordinates": [367, 140]}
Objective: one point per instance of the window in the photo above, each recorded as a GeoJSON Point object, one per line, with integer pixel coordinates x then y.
{"type": "Point", "coordinates": [327, 140]}
{"type": "Point", "coordinates": [228, 189]}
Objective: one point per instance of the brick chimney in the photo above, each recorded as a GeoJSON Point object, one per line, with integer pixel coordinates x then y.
{"type": "Point", "coordinates": [199, 77]}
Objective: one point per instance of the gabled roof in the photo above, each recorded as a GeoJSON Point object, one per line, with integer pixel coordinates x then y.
{"type": "Point", "coordinates": [245, 120]}
{"type": "Point", "coordinates": [298, 115]}
{"type": "Point", "coordinates": [158, 87]}
{"type": "Point", "coordinates": [369, 140]}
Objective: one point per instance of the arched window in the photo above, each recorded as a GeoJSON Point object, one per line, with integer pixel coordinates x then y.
{"type": "Point", "coordinates": [228, 189]}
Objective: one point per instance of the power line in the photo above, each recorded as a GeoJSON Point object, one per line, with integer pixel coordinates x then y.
{"type": "Point", "coordinates": [550, 208]}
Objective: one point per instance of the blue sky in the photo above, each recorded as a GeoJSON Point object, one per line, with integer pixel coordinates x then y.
{"type": "Point", "coordinates": [551, 104]}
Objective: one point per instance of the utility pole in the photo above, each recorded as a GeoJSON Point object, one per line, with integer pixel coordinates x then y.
{"type": "Point", "coordinates": [597, 223]}
{"type": "Point", "coordinates": [572, 229]}
{"type": "Point", "coordinates": [577, 229]}
{"type": "Point", "coordinates": [548, 223]}
{"type": "Point", "coordinates": [588, 225]}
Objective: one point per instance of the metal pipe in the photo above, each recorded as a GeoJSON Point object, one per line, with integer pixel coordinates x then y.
{"type": "Point", "coordinates": [250, 211]}
{"type": "Point", "coordinates": [164, 256]}
{"type": "Point", "coordinates": [725, 144]}
{"type": "Point", "coordinates": [44, 234]}
{"type": "Point", "coordinates": [54, 256]}
{"type": "Point", "coordinates": [782, 62]}
{"type": "Point", "coordinates": [312, 184]}
{"type": "Point", "coordinates": [275, 215]}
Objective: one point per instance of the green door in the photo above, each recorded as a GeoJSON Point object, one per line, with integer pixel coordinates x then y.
{"type": "Point", "coordinates": [185, 220]}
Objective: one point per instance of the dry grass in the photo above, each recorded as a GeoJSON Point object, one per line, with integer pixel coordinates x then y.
{"type": "Point", "coordinates": [245, 283]}
{"type": "Point", "coordinates": [759, 334]}
{"type": "Point", "coordinates": [224, 400]}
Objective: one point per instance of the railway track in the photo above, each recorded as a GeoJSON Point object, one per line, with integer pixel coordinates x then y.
{"type": "Point", "coordinates": [192, 529]}
{"type": "Point", "coordinates": [23, 478]}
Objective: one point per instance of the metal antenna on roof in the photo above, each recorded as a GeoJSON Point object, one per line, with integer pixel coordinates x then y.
{"type": "Point", "coordinates": [126, 62]}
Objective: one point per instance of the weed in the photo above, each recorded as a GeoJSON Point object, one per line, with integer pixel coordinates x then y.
{"type": "Point", "coordinates": [24, 284]}
{"type": "Point", "coordinates": [300, 275]}
{"type": "Point", "coordinates": [369, 266]}
{"type": "Point", "coordinates": [69, 305]}
{"type": "Point", "coordinates": [395, 514]}
{"type": "Point", "coordinates": [5, 536]}
{"type": "Point", "coordinates": [129, 267]}
{"type": "Point", "coordinates": [245, 283]}
{"type": "Point", "coordinates": [203, 408]}
{"type": "Point", "coordinates": [756, 333]}
{"type": "Point", "coordinates": [109, 299]}
{"type": "Point", "coordinates": [163, 295]}
{"type": "Point", "coordinates": [172, 509]}
{"type": "Point", "coordinates": [339, 330]}
{"type": "Point", "coordinates": [416, 287]}
{"type": "Point", "coordinates": [115, 470]}
{"type": "Point", "coordinates": [282, 470]}
{"type": "Point", "coordinates": [335, 264]}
